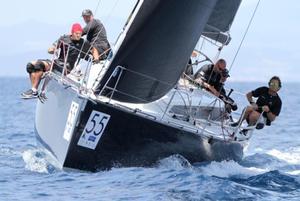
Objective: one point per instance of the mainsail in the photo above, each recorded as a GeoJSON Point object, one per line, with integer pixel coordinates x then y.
{"type": "Point", "coordinates": [158, 45]}
{"type": "Point", "coordinates": [220, 20]}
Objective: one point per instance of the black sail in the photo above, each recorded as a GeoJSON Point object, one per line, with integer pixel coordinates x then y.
{"type": "Point", "coordinates": [158, 45]}
{"type": "Point", "coordinates": [220, 20]}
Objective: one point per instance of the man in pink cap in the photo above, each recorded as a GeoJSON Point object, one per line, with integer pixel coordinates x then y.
{"type": "Point", "coordinates": [75, 45]}
{"type": "Point", "coordinates": [71, 46]}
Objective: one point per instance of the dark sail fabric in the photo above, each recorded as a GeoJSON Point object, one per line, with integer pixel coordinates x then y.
{"type": "Point", "coordinates": [216, 35]}
{"type": "Point", "coordinates": [158, 45]}
{"type": "Point", "coordinates": [221, 20]}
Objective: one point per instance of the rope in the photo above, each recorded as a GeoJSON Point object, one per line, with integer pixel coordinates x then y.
{"type": "Point", "coordinates": [250, 22]}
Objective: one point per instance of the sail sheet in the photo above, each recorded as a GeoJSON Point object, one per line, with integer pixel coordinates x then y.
{"type": "Point", "coordinates": [157, 45]}
{"type": "Point", "coordinates": [220, 20]}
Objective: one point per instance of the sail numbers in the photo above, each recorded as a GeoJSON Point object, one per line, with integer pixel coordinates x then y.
{"type": "Point", "coordinates": [93, 130]}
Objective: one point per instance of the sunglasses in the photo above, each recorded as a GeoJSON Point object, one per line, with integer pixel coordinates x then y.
{"type": "Point", "coordinates": [275, 84]}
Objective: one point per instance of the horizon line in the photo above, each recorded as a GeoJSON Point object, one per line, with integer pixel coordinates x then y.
{"type": "Point", "coordinates": [229, 81]}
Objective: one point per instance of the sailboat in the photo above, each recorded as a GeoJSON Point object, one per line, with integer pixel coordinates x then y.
{"type": "Point", "coordinates": [130, 110]}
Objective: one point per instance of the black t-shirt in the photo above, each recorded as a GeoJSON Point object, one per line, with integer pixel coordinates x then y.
{"type": "Point", "coordinates": [220, 88]}
{"type": "Point", "coordinates": [75, 47]}
{"type": "Point", "coordinates": [264, 98]}
{"type": "Point", "coordinates": [96, 34]}
{"type": "Point", "coordinates": [208, 75]}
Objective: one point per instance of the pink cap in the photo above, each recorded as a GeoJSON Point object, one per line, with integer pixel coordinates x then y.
{"type": "Point", "coordinates": [76, 27]}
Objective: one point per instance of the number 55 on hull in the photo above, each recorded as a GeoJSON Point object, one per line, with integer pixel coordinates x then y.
{"type": "Point", "coordinates": [85, 135]}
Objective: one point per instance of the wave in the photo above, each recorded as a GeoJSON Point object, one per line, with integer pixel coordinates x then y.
{"type": "Point", "coordinates": [37, 160]}
{"type": "Point", "coordinates": [287, 161]}
{"type": "Point", "coordinates": [227, 169]}
{"type": "Point", "coordinates": [175, 162]}
{"type": "Point", "coordinates": [273, 181]}
{"type": "Point", "coordinates": [294, 172]}
{"type": "Point", "coordinates": [252, 177]}
{"type": "Point", "coordinates": [7, 151]}
{"type": "Point", "coordinates": [291, 156]}
{"type": "Point", "coordinates": [262, 160]}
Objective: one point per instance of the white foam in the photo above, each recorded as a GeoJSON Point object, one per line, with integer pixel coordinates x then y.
{"type": "Point", "coordinates": [36, 161]}
{"type": "Point", "coordinates": [291, 156]}
{"type": "Point", "coordinates": [294, 172]}
{"type": "Point", "coordinates": [176, 162]}
{"type": "Point", "coordinates": [7, 151]}
{"type": "Point", "coordinates": [230, 168]}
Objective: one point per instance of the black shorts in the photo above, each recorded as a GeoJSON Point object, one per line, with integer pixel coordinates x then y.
{"type": "Point", "coordinates": [268, 122]}
{"type": "Point", "coordinates": [58, 66]}
{"type": "Point", "coordinates": [40, 64]}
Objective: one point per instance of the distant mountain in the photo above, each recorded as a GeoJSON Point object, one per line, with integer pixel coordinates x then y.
{"type": "Point", "coordinates": [15, 65]}
{"type": "Point", "coordinates": [25, 42]}
{"type": "Point", "coordinates": [30, 40]}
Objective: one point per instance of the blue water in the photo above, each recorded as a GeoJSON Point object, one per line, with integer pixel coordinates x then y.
{"type": "Point", "coordinates": [269, 171]}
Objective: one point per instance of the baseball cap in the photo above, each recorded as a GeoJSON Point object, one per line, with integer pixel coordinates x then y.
{"type": "Point", "coordinates": [87, 12]}
{"type": "Point", "coordinates": [76, 27]}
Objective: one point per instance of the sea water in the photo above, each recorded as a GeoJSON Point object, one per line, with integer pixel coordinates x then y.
{"type": "Point", "coordinates": [270, 169]}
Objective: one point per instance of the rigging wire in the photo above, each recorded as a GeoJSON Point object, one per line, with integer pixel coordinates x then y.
{"type": "Point", "coordinates": [81, 49]}
{"type": "Point", "coordinates": [96, 9]}
{"type": "Point", "coordinates": [247, 29]}
{"type": "Point", "coordinates": [93, 42]}
{"type": "Point", "coordinates": [244, 36]}
{"type": "Point", "coordinates": [106, 19]}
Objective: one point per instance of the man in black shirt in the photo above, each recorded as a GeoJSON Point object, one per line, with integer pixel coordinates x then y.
{"type": "Point", "coordinates": [72, 47]}
{"type": "Point", "coordinates": [221, 92]}
{"type": "Point", "coordinates": [209, 76]}
{"type": "Point", "coordinates": [95, 33]}
{"type": "Point", "coordinates": [220, 86]}
{"type": "Point", "coordinates": [268, 101]}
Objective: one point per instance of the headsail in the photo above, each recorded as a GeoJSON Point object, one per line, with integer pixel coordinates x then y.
{"type": "Point", "coordinates": [220, 20]}
{"type": "Point", "coordinates": [158, 44]}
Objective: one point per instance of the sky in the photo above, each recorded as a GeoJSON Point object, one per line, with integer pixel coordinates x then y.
{"type": "Point", "coordinates": [271, 46]}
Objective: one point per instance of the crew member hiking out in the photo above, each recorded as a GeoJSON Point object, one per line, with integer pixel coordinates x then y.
{"type": "Point", "coordinates": [72, 47]}
{"type": "Point", "coordinates": [268, 102]}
